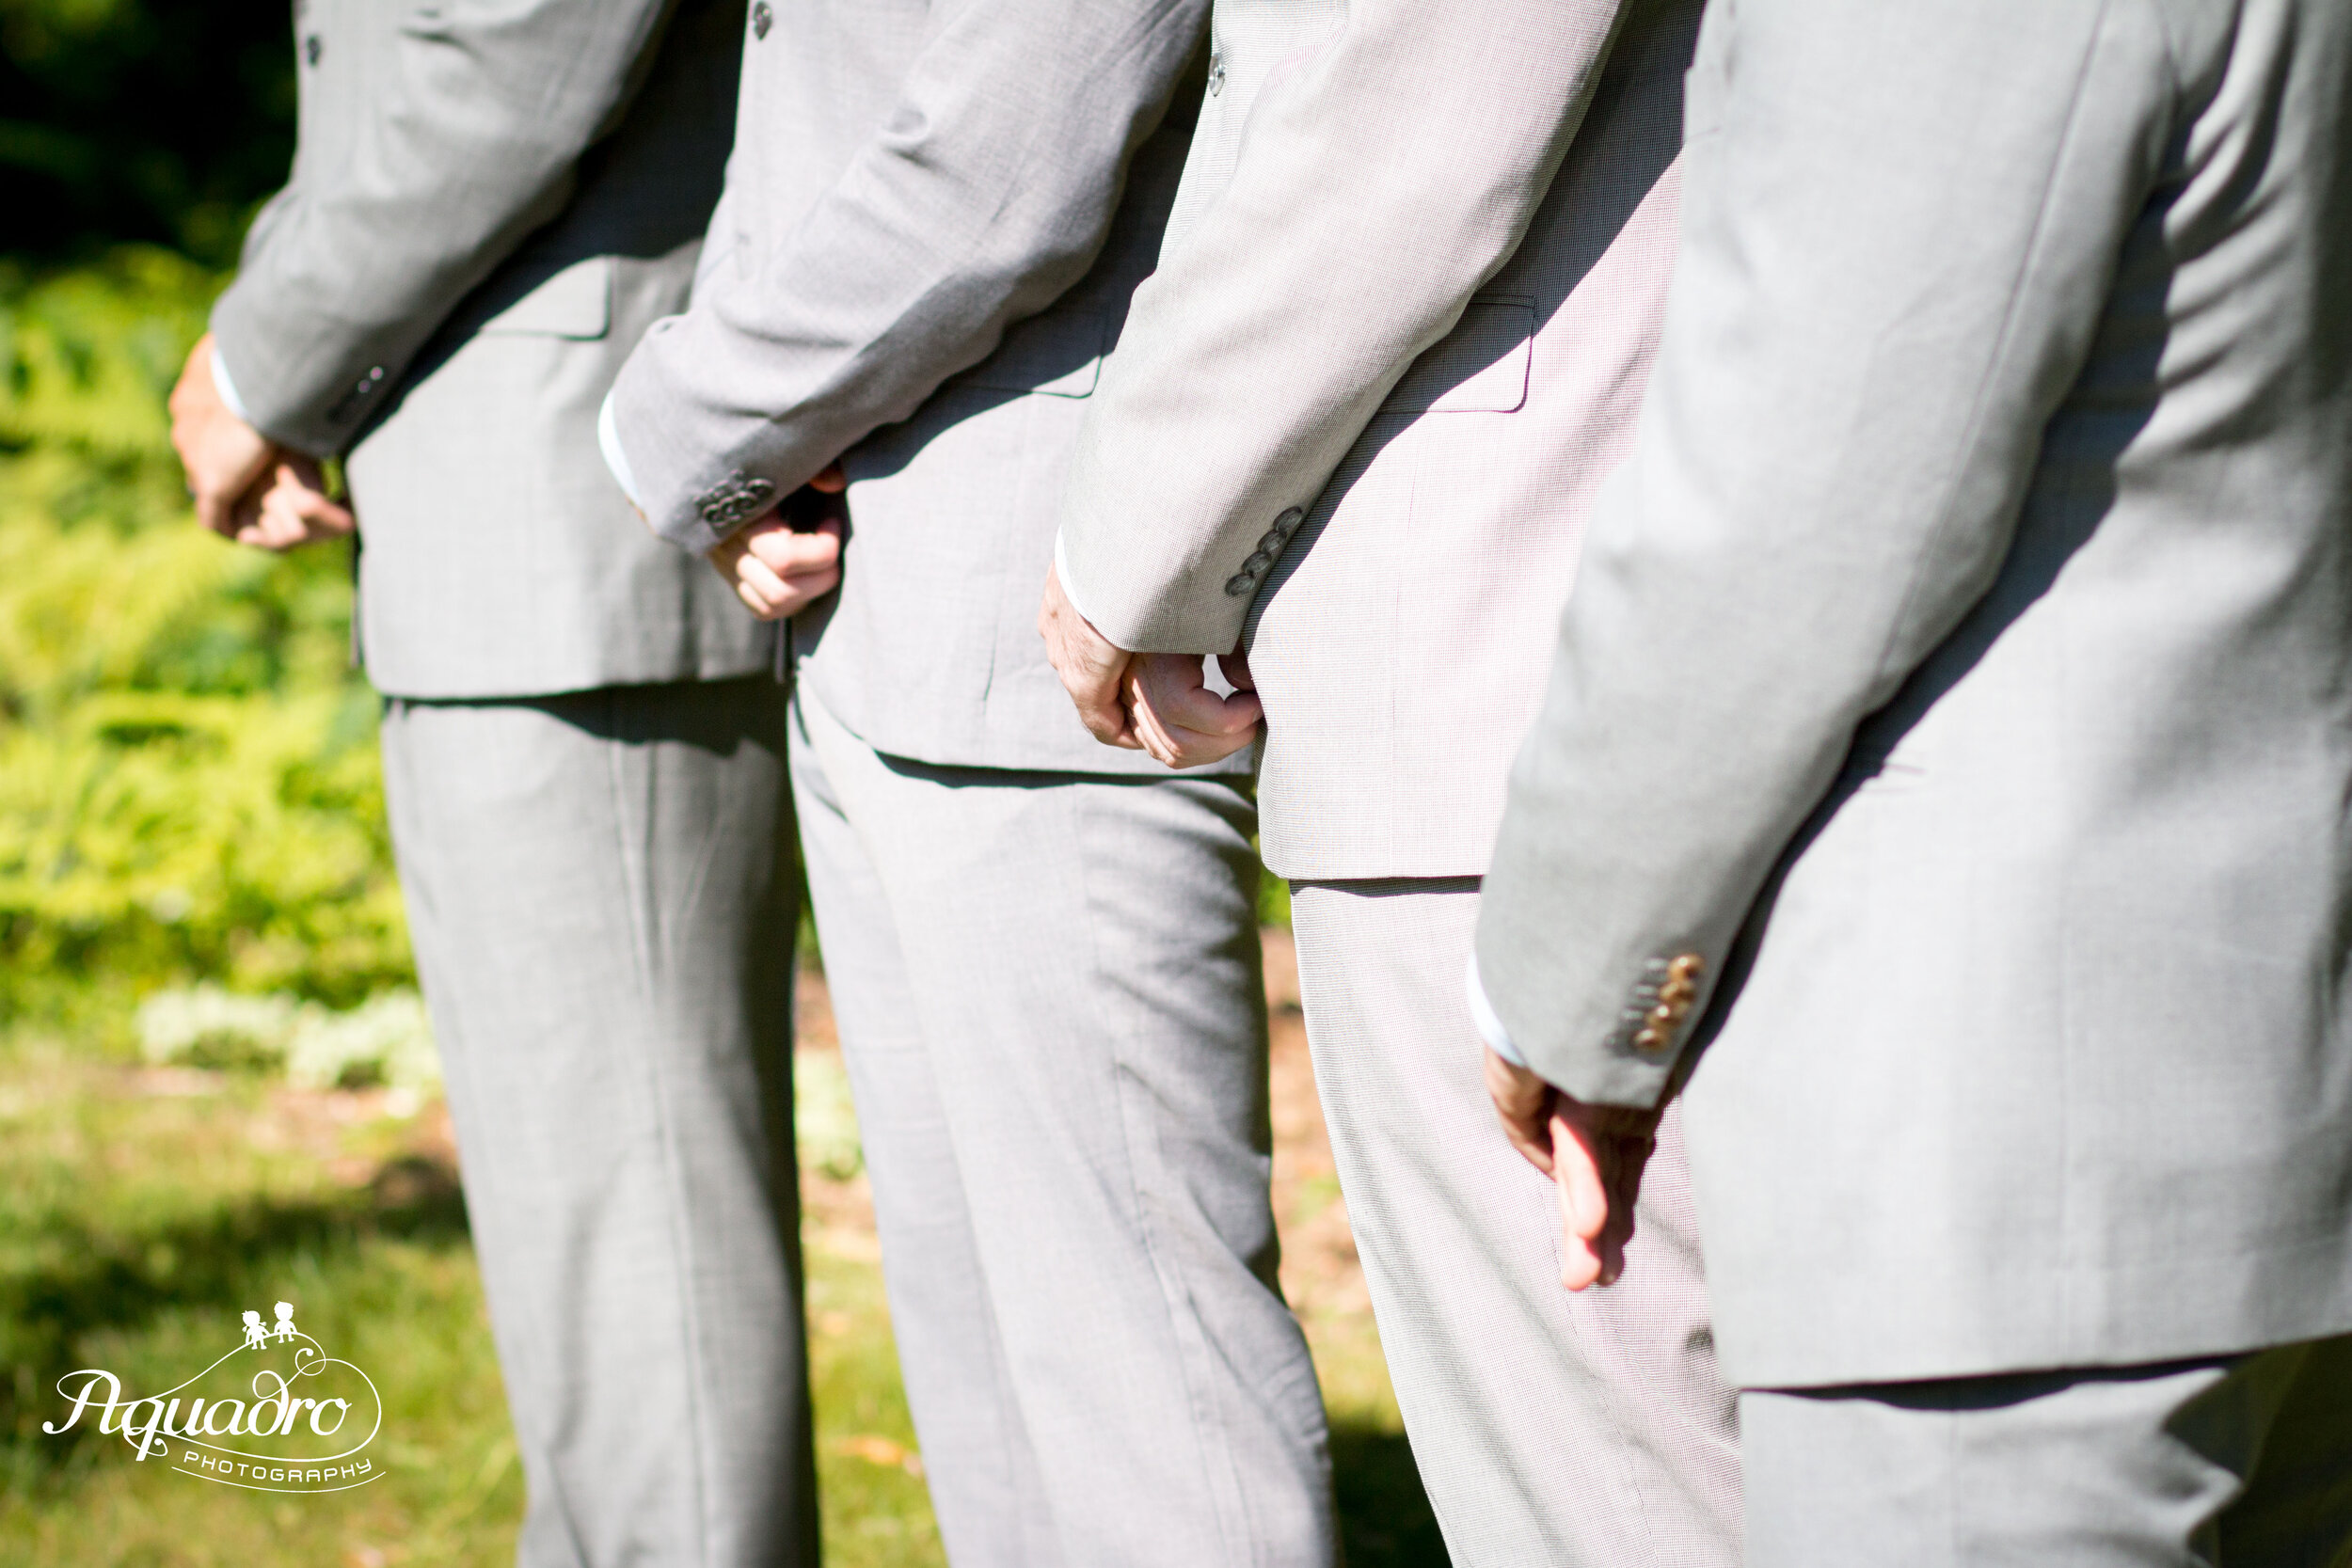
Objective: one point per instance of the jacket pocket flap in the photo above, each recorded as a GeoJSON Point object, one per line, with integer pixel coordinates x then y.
{"type": "Point", "coordinates": [1479, 368]}
{"type": "Point", "coordinates": [576, 302]}
{"type": "Point", "coordinates": [1059, 353]}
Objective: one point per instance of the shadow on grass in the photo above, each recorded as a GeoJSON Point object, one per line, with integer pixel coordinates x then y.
{"type": "Point", "coordinates": [98, 1278]}
{"type": "Point", "coordinates": [1384, 1514]}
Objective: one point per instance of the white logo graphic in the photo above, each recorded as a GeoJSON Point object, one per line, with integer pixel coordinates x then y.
{"type": "Point", "coordinates": [302, 1430]}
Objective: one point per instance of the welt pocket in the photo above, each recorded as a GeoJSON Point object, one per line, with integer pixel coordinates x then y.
{"type": "Point", "coordinates": [1056, 354]}
{"type": "Point", "coordinates": [1481, 367]}
{"type": "Point", "coordinates": [576, 302]}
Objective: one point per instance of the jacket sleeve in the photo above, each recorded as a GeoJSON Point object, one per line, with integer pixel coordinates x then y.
{"type": "Point", "coordinates": [1379, 182]}
{"type": "Point", "coordinates": [470, 146]}
{"type": "Point", "coordinates": [989, 191]}
{"type": "Point", "coordinates": [1900, 227]}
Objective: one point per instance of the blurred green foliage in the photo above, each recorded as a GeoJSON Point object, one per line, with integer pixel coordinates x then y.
{"type": "Point", "coordinates": [1274, 901]}
{"type": "Point", "coordinates": [188, 783]}
{"type": "Point", "coordinates": [157, 121]}
{"type": "Point", "coordinates": [136, 1221]}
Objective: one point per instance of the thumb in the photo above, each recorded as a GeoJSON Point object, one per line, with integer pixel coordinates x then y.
{"type": "Point", "coordinates": [1583, 1197]}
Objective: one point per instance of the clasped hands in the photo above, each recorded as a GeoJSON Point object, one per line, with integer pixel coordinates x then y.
{"type": "Point", "coordinates": [777, 570]}
{"type": "Point", "coordinates": [1159, 703]}
{"type": "Point", "coordinates": [247, 487]}
{"type": "Point", "coordinates": [1155, 703]}
{"type": "Point", "coordinates": [255, 491]}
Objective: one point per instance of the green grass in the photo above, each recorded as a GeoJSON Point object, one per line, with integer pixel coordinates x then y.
{"type": "Point", "coordinates": [140, 1210]}
{"type": "Point", "coordinates": [135, 1223]}
{"type": "Point", "coordinates": [869, 1492]}
{"type": "Point", "coordinates": [189, 791]}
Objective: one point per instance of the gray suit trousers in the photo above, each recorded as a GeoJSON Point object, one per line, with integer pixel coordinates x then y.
{"type": "Point", "coordinates": [605, 944]}
{"type": "Point", "coordinates": [1574, 1431]}
{"type": "Point", "coordinates": [1051, 1009]}
{"type": "Point", "coordinates": [2228, 1461]}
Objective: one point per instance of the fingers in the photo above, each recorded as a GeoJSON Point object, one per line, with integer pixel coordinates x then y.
{"type": "Point", "coordinates": [773, 596]}
{"type": "Point", "coordinates": [1149, 731]}
{"type": "Point", "coordinates": [224, 457]}
{"type": "Point", "coordinates": [295, 509]}
{"type": "Point", "coordinates": [792, 554]}
{"type": "Point", "coordinates": [758, 587]}
{"type": "Point", "coordinates": [1091, 667]}
{"type": "Point", "coordinates": [1179, 690]}
{"type": "Point", "coordinates": [1577, 1177]}
{"type": "Point", "coordinates": [266, 517]}
{"type": "Point", "coordinates": [1594, 1155]}
{"type": "Point", "coordinates": [267, 522]}
{"type": "Point", "coordinates": [1523, 1103]}
{"type": "Point", "coordinates": [776, 572]}
{"type": "Point", "coordinates": [1599, 1154]}
{"type": "Point", "coordinates": [829, 480]}
{"type": "Point", "coordinates": [1181, 722]}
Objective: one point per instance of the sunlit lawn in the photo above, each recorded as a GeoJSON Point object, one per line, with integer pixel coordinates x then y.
{"type": "Point", "coordinates": [142, 1209]}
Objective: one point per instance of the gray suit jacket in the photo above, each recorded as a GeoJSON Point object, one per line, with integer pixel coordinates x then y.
{"type": "Point", "coordinates": [1971, 628]}
{"type": "Point", "coordinates": [484, 213]}
{"type": "Point", "coordinates": [933, 220]}
{"type": "Point", "coordinates": [1399, 333]}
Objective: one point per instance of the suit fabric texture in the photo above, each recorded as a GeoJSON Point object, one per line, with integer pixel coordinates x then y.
{"type": "Point", "coordinates": [1400, 328]}
{"type": "Point", "coordinates": [1036, 946]}
{"type": "Point", "coordinates": [487, 205]}
{"type": "Point", "coordinates": [487, 209]}
{"type": "Point", "coordinates": [918, 269]}
{"type": "Point", "coordinates": [1548, 1427]}
{"type": "Point", "coordinates": [614, 1029]}
{"type": "Point", "coordinates": [1970, 626]}
{"type": "Point", "coordinates": [1050, 1001]}
{"type": "Point", "coordinates": [2216, 1462]}
{"type": "Point", "coordinates": [1401, 376]}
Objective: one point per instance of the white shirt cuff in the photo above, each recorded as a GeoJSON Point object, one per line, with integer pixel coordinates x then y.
{"type": "Point", "coordinates": [1483, 1017]}
{"type": "Point", "coordinates": [608, 443]}
{"type": "Point", "coordinates": [228, 388]}
{"type": "Point", "coordinates": [1069, 589]}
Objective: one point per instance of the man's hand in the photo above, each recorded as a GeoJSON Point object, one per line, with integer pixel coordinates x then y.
{"type": "Point", "coordinates": [779, 572]}
{"type": "Point", "coordinates": [295, 509]}
{"type": "Point", "coordinates": [1595, 1155]}
{"type": "Point", "coordinates": [1091, 667]}
{"type": "Point", "coordinates": [1179, 720]}
{"type": "Point", "coordinates": [224, 456]}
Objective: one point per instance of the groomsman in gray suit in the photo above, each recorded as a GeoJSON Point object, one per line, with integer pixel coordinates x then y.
{"type": "Point", "coordinates": [583, 745]}
{"type": "Point", "coordinates": [1951, 738]}
{"type": "Point", "coordinates": [1043, 956]}
{"type": "Point", "coordinates": [1398, 335]}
